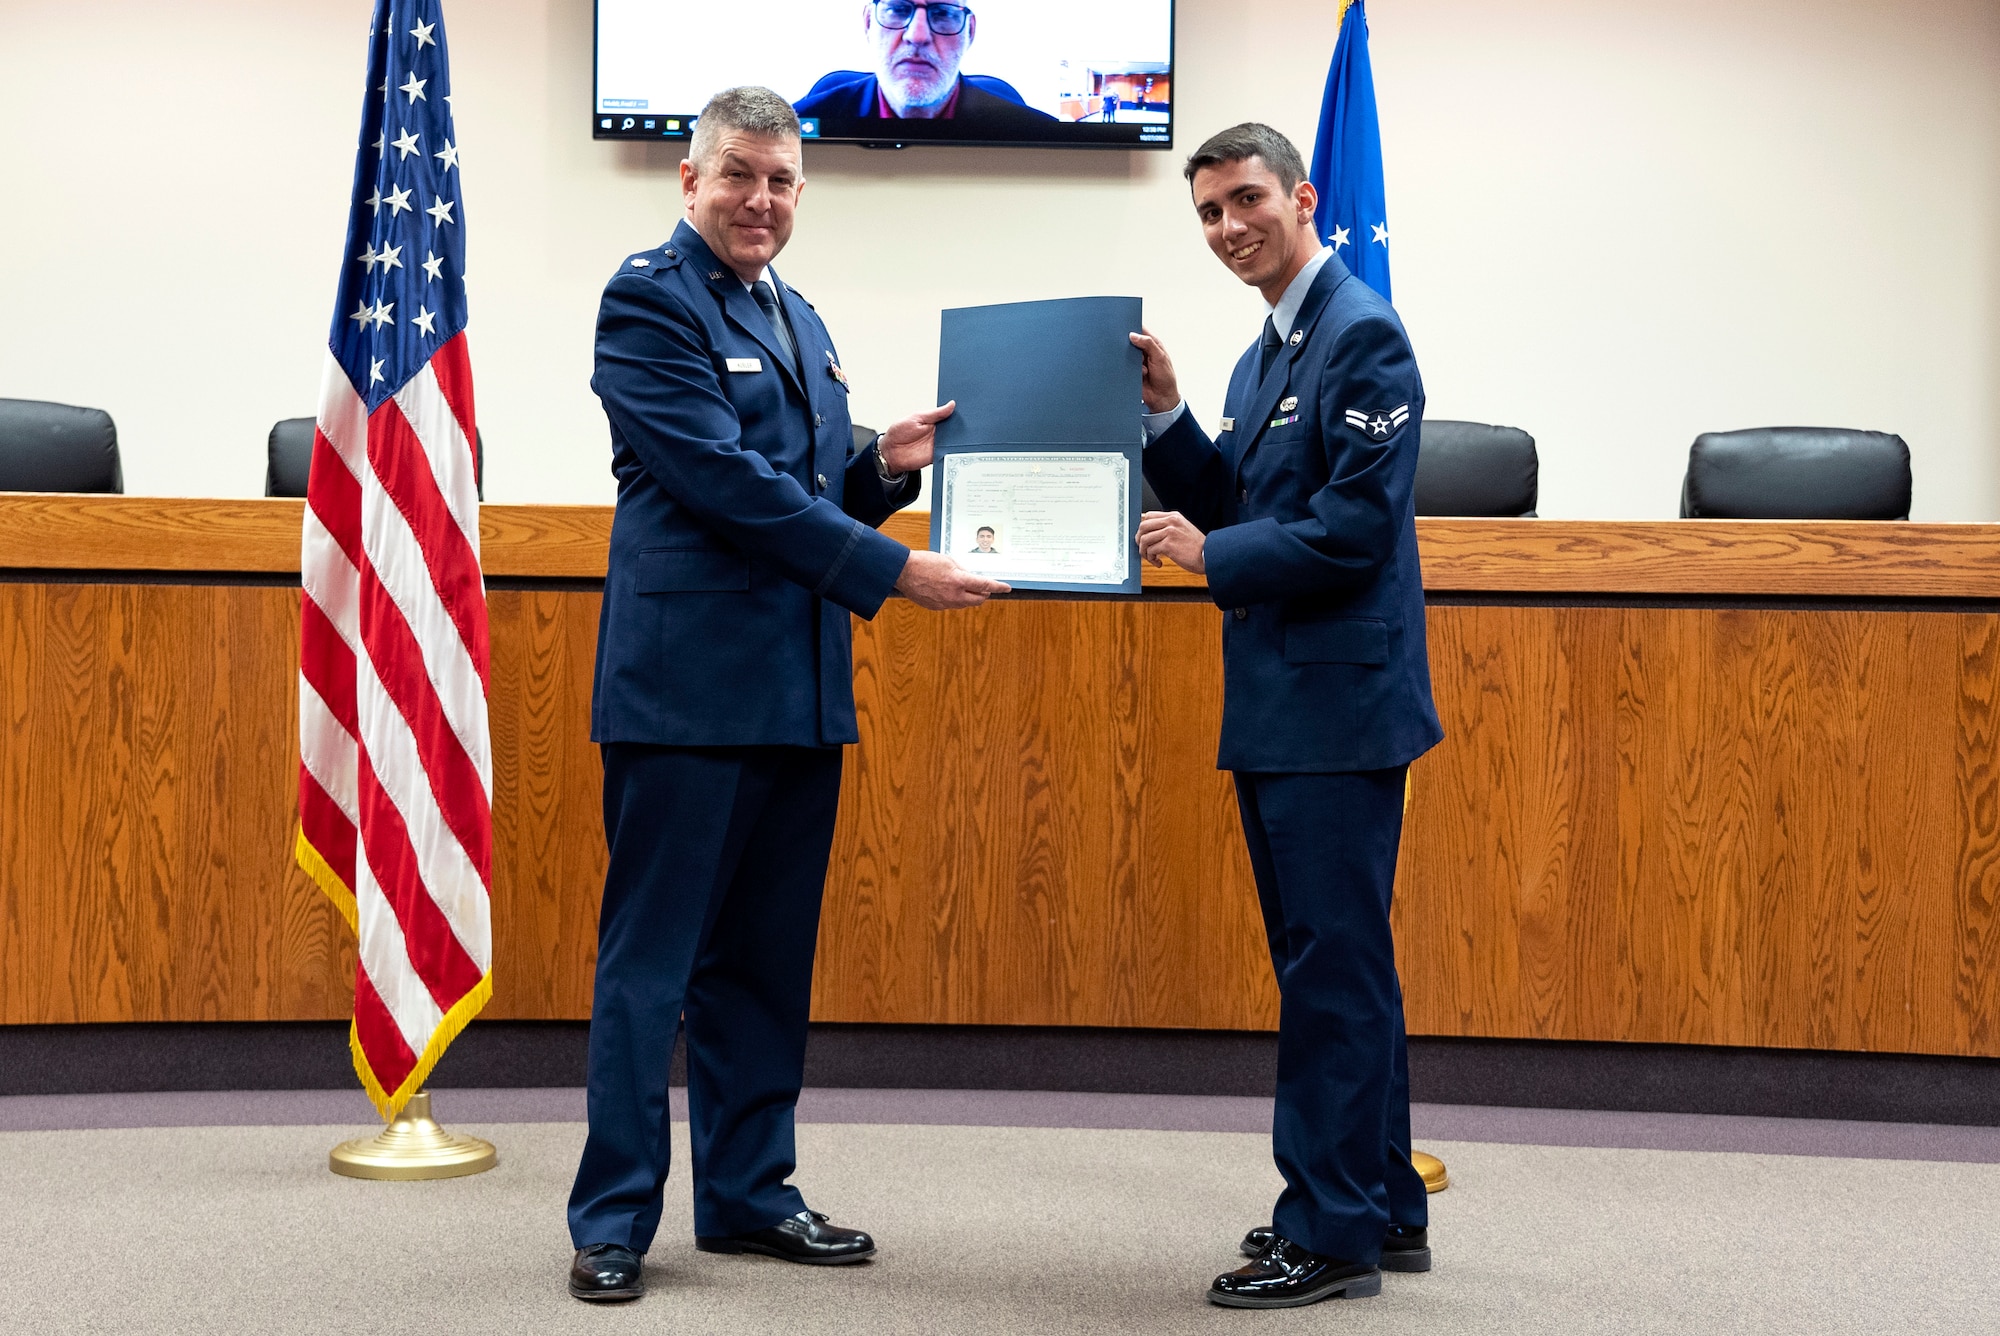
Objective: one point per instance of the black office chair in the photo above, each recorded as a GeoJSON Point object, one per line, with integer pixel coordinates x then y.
{"type": "Point", "coordinates": [1470, 468]}
{"type": "Point", "coordinates": [1797, 473]}
{"type": "Point", "coordinates": [288, 459]}
{"type": "Point", "coordinates": [48, 447]}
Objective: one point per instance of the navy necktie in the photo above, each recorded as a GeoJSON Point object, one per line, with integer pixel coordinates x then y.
{"type": "Point", "coordinates": [1272, 342]}
{"type": "Point", "coordinates": [768, 300]}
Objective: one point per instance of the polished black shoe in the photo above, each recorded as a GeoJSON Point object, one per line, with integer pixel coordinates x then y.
{"type": "Point", "coordinates": [606, 1273]}
{"type": "Point", "coordinates": [1404, 1247]}
{"type": "Point", "coordinates": [805, 1237]}
{"type": "Point", "coordinates": [1285, 1275]}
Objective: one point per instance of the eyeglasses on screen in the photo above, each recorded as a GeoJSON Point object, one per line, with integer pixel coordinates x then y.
{"type": "Point", "coordinates": [943, 20]}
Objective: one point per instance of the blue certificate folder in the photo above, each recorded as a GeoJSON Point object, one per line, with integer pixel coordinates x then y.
{"type": "Point", "coordinates": [1042, 379]}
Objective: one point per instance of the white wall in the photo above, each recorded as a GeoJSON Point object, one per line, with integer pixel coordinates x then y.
{"type": "Point", "coordinates": [1615, 225]}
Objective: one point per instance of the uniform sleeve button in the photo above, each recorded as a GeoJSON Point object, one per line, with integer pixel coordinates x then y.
{"type": "Point", "coordinates": [821, 479]}
{"type": "Point", "coordinates": [819, 420]}
{"type": "Point", "coordinates": [1242, 613]}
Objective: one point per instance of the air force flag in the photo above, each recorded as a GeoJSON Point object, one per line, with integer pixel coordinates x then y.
{"type": "Point", "coordinates": [1347, 158]}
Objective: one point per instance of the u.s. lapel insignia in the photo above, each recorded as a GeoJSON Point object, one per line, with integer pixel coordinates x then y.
{"type": "Point", "coordinates": [1298, 336]}
{"type": "Point", "coordinates": [833, 369]}
{"type": "Point", "coordinates": [1378, 424]}
{"type": "Point", "coordinates": [1289, 402]}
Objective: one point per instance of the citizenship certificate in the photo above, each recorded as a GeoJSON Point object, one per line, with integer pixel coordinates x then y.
{"type": "Point", "coordinates": [1055, 518]}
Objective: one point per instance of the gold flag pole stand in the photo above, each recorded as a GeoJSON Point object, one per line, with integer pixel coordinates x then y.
{"type": "Point", "coordinates": [412, 1147]}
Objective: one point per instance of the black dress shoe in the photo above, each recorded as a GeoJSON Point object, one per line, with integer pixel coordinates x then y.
{"type": "Point", "coordinates": [805, 1237]}
{"type": "Point", "coordinates": [605, 1273]}
{"type": "Point", "coordinates": [1404, 1247]}
{"type": "Point", "coordinates": [1287, 1276]}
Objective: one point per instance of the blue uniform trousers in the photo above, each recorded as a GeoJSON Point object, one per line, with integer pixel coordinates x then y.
{"type": "Point", "coordinates": [1323, 848]}
{"type": "Point", "coordinates": [710, 912]}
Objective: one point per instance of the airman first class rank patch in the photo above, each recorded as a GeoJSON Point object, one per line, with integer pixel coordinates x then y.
{"type": "Point", "coordinates": [1377, 424]}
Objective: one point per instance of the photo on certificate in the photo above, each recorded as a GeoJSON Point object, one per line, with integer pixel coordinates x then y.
{"type": "Point", "coordinates": [1058, 520]}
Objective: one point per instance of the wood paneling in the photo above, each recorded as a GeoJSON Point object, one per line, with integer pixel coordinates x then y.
{"type": "Point", "coordinates": [1702, 825]}
{"type": "Point", "coordinates": [1688, 557]}
{"type": "Point", "coordinates": [261, 536]}
{"type": "Point", "coordinates": [545, 542]}
{"type": "Point", "coordinates": [1033, 830]}
{"type": "Point", "coordinates": [148, 800]}
{"type": "Point", "coordinates": [148, 785]}
{"type": "Point", "coordinates": [1851, 559]}
{"type": "Point", "coordinates": [63, 531]}
{"type": "Point", "coordinates": [548, 831]}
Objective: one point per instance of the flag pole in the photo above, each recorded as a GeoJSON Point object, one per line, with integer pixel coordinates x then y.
{"type": "Point", "coordinates": [1353, 219]}
{"type": "Point", "coordinates": [413, 1147]}
{"type": "Point", "coordinates": [395, 751]}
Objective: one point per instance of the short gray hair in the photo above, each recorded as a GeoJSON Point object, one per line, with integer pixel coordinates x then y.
{"type": "Point", "coordinates": [751, 109]}
{"type": "Point", "coordinates": [1250, 140]}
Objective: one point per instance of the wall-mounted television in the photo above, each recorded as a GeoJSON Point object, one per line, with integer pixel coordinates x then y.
{"type": "Point", "coordinates": [1046, 73]}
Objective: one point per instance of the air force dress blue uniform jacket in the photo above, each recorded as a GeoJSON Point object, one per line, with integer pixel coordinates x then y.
{"type": "Point", "coordinates": [745, 526]}
{"type": "Point", "coordinates": [743, 539]}
{"type": "Point", "coordinates": [1307, 500]}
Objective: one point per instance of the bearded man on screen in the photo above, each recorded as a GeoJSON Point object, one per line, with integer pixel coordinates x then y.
{"type": "Point", "coordinates": [918, 47]}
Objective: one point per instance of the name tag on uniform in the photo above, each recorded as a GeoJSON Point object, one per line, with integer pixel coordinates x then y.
{"type": "Point", "coordinates": [1229, 424]}
{"type": "Point", "coordinates": [745, 364]}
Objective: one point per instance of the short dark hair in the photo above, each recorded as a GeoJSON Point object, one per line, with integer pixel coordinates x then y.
{"type": "Point", "coordinates": [1249, 140]}
{"type": "Point", "coordinates": [751, 109]}
{"type": "Point", "coordinates": [984, 528]}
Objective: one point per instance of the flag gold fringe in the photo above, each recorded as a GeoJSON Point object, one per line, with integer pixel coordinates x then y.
{"type": "Point", "coordinates": [390, 1103]}
{"type": "Point", "coordinates": [1340, 15]}
{"type": "Point", "coordinates": [327, 880]}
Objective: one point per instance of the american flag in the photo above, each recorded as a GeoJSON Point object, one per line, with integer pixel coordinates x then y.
{"type": "Point", "coordinates": [396, 774]}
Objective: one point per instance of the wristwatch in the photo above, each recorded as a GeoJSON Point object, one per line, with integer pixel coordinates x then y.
{"type": "Point", "coordinates": [881, 464]}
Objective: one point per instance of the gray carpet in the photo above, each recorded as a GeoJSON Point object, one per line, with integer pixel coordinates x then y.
{"type": "Point", "coordinates": [983, 1229]}
{"type": "Point", "coordinates": [1043, 1108]}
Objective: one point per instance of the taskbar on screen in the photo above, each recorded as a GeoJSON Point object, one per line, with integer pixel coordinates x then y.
{"type": "Point", "coordinates": [897, 134]}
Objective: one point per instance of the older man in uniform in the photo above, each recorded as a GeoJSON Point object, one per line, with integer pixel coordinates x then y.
{"type": "Point", "coordinates": [743, 539]}
{"type": "Point", "coordinates": [1301, 512]}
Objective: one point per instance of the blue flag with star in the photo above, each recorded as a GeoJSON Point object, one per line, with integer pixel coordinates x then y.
{"type": "Point", "coordinates": [402, 281]}
{"type": "Point", "coordinates": [1353, 216]}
